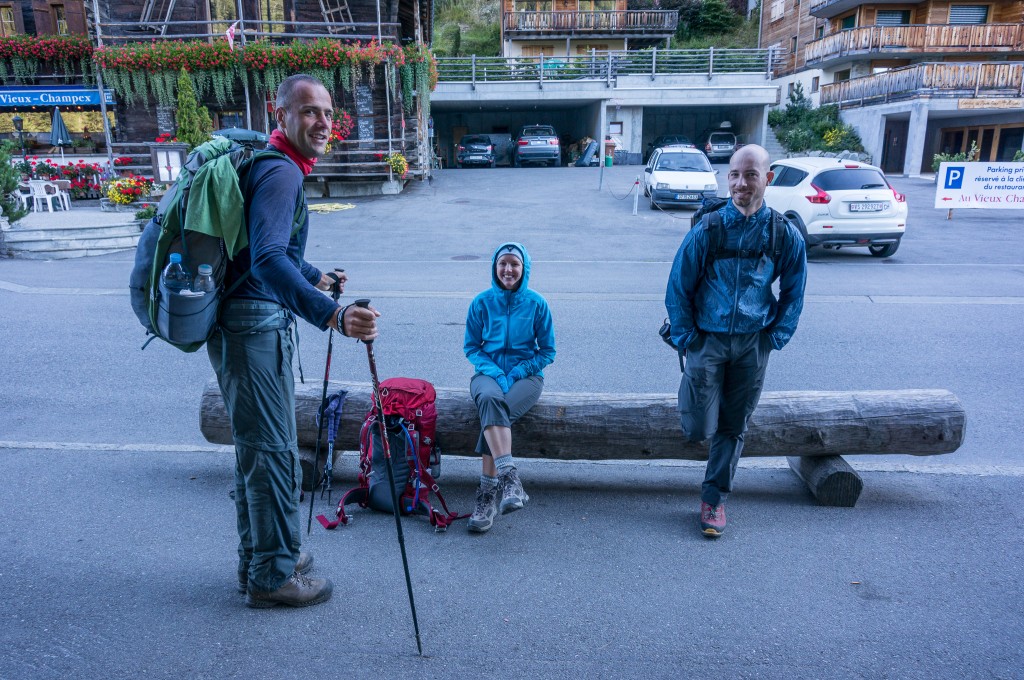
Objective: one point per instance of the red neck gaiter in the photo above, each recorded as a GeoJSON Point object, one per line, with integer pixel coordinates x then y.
{"type": "Point", "coordinates": [278, 139]}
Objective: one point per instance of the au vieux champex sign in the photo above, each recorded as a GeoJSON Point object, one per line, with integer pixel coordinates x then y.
{"type": "Point", "coordinates": [15, 97]}
{"type": "Point", "coordinates": [980, 185]}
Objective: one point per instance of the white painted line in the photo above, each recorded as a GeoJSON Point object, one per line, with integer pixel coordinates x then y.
{"type": "Point", "coordinates": [860, 463]}
{"type": "Point", "coordinates": [582, 297]}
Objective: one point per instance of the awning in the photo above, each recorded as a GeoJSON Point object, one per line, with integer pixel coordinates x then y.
{"type": "Point", "coordinates": [47, 97]}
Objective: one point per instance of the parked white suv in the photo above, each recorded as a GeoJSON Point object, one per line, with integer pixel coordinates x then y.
{"type": "Point", "coordinates": [839, 203]}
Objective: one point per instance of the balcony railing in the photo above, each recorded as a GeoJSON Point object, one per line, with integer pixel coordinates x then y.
{"type": "Point", "coordinates": [914, 39]}
{"type": "Point", "coordinates": [116, 32]}
{"type": "Point", "coordinates": [964, 80]}
{"type": "Point", "coordinates": [656, 22]}
{"type": "Point", "coordinates": [604, 66]}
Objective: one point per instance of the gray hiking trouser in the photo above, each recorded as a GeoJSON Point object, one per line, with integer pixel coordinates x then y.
{"type": "Point", "coordinates": [251, 353]}
{"type": "Point", "coordinates": [500, 409]}
{"type": "Point", "coordinates": [720, 388]}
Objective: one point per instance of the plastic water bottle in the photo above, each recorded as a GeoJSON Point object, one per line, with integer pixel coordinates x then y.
{"type": "Point", "coordinates": [175, 277]}
{"type": "Point", "coordinates": [204, 282]}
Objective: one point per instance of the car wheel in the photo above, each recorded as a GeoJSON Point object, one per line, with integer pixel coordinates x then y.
{"type": "Point", "coordinates": [516, 163]}
{"type": "Point", "coordinates": [494, 164]}
{"type": "Point", "coordinates": [647, 193]}
{"type": "Point", "coordinates": [799, 224]}
{"type": "Point", "coordinates": [883, 249]}
{"type": "Point", "coordinates": [654, 206]}
{"type": "Point", "coordinates": [556, 163]}
{"type": "Point", "coordinates": [459, 166]}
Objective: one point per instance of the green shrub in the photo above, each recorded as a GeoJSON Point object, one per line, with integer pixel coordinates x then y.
{"type": "Point", "coordinates": [192, 119]}
{"type": "Point", "coordinates": [969, 156]}
{"type": "Point", "coordinates": [799, 127]}
{"type": "Point", "coordinates": [10, 176]}
{"type": "Point", "coordinates": [1019, 156]}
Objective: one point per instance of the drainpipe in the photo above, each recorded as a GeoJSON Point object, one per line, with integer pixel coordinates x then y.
{"type": "Point", "coordinates": [99, 86]}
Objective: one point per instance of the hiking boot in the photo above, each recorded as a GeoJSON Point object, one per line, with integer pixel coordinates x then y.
{"type": "Point", "coordinates": [512, 495]}
{"type": "Point", "coordinates": [304, 564]}
{"type": "Point", "coordinates": [297, 591]}
{"type": "Point", "coordinates": [712, 519]}
{"type": "Point", "coordinates": [486, 508]}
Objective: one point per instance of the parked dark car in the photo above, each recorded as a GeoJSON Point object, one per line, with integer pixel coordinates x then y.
{"type": "Point", "coordinates": [717, 144]}
{"type": "Point", "coordinates": [475, 150]}
{"type": "Point", "coordinates": [665, 140]}
{"type": "Point", "coordinates": [537, 144]}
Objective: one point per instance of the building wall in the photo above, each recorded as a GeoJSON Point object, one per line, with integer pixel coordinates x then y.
{"type": "Point", "coordinates": [557, 48]}
{"type": "Point", "coordinates": [793, 22]}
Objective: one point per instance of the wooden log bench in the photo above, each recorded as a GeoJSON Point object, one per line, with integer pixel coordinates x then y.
{"type": "Point", "coordinates": [813, 430]}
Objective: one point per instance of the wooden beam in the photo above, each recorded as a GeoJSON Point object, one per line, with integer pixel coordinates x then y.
{"type": "Point", "coordinates": [830, 479]}
{"type": "Point", "coordinates": [569, 426]}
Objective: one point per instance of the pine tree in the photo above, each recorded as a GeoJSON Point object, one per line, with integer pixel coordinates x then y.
{"type": "Point", "coordinates": [9, 178]}
{"type": "Point", "coordinates": [192, 119]}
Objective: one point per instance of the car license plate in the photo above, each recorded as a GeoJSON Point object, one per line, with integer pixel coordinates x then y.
{"type": "Point", "coordinates": [687, 197]}
{"type": "Point", "coordinates": [476, 158]}
{"type": "Point", "coordinates": [867, 207]}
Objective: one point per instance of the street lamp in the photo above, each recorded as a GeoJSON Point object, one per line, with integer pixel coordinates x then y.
{"type": "Point", "coordinates": [19, 125]}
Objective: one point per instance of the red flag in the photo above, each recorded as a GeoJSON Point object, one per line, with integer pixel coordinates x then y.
{"type": "Point", "coordinates": [230, 33]}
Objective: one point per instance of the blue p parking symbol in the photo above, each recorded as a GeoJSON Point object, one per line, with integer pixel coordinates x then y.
{"type": "Point", "coordinates": [954, 177]}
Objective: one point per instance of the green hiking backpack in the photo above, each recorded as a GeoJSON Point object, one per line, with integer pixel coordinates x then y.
{"type": "Point", "coordinates": [202, 217]}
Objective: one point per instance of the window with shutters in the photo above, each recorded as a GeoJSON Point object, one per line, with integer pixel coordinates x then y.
{"type": "Point", "coordinates": [968, 14]}
{"type": "Point", "coordinates": [892, 17]}
{"type": "Point", "coordinates": [7, 23]}
{"type": "Point", "coordinates": [778, 10]}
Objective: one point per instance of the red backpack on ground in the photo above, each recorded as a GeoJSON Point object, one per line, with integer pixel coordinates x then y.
{"type": "Point", "coordinates": [411, 424]}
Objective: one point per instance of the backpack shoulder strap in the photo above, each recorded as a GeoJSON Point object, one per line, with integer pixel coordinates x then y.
{"type": "Point", "coordinates": [712, 224]}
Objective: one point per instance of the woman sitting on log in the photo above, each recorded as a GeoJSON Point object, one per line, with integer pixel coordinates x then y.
{"type": "Point", "coordinates": [509, 340]}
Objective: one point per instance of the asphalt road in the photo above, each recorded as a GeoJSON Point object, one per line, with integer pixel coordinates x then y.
{"type": "Point", "coordinates": [118, 532]}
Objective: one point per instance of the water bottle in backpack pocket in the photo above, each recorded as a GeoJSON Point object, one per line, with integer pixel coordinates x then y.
{"type": "Point", "coordinates": [186, 313]}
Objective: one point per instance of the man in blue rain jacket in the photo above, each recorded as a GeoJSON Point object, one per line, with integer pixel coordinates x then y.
{"type": "Point", "coordinates": [726, 320]}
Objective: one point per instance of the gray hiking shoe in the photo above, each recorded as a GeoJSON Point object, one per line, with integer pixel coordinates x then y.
{"type": "Point", "coordinates": [512, 495]}
{"type": "Point", "coordinates": [297, 591]}
{"type": "Point", "coordinates": [486, 508]}
{"type": "Point", "coordinates": [303, 566]}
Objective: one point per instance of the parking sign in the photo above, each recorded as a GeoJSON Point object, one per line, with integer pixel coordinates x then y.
{"type": "Point", "coordinates": [980, 185]}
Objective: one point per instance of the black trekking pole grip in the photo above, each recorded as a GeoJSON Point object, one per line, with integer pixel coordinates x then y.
{"type": "Point", "coordinates": [365, 304]}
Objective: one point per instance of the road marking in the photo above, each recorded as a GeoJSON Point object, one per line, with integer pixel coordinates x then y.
{"type": "Point", "coordinates": [582, 297]}
{"type": "Point", "coordinates": [774, 463]}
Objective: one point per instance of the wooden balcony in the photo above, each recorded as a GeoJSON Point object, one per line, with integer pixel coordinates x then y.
{"type": "Point", "coordinates": [962, 80]}
{"type": "Point", "coordinates": [659, 24]}
{"type": "Point", "coordinates": [826, 9]}
{"type": "Point", "coordinates": [935, 39]}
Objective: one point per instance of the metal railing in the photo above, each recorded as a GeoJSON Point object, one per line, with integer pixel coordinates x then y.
{"type": "Point", "coordinates": [978, 38]}
{"type": "Point", "coordinates": [965, 80]}
{"type": "Point", "coordinates": [606, 66]}
{"type": "Point", "coordinates": [626, 22]}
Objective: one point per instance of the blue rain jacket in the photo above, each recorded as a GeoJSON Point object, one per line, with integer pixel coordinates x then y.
{"type": "Point", "coordinates": [736, 297]}
{"type": "Point", "coordinates": [506, 329]}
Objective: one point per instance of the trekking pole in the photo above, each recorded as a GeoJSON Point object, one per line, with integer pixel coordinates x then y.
{"type": "Point", "coordinates": [379, 408]}
{"type": "Point", "coordinates": [335, 294]}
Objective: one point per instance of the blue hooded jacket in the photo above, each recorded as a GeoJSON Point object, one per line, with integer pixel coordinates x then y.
{"type": "Point", "coordinates": [736, 297]}
{"type": "Point", "coordinates": [509, 329]}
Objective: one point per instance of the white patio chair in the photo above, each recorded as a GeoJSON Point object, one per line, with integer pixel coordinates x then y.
{"type": "Point", "coordinates": [64, 192]}
{"type": "Point", "coordinates": [22, 193]}
{"type": "Point", "coordinates": [43, 190]}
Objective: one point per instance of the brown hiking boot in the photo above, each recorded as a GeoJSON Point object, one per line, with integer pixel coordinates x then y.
{"type": "Point", "coordinates": [712, 519]}
{"type": "Point", "coordinates": [303, 566]}
{"type": "Point", "coordinates": [297, 591]}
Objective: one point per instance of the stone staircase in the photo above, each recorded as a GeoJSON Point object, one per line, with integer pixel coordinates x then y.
{"type": "Point", "coordinates": [78, 232]}
{"type": "Point", "coordinates": [772, 145]}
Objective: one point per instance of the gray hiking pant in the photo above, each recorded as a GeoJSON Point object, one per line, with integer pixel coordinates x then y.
{"type": "Point", "coordinates": [720, 388]}
{"type": "Point", "coordinates": [251, 353]}
{"type": "Point", "coordinates": [500, 409]}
